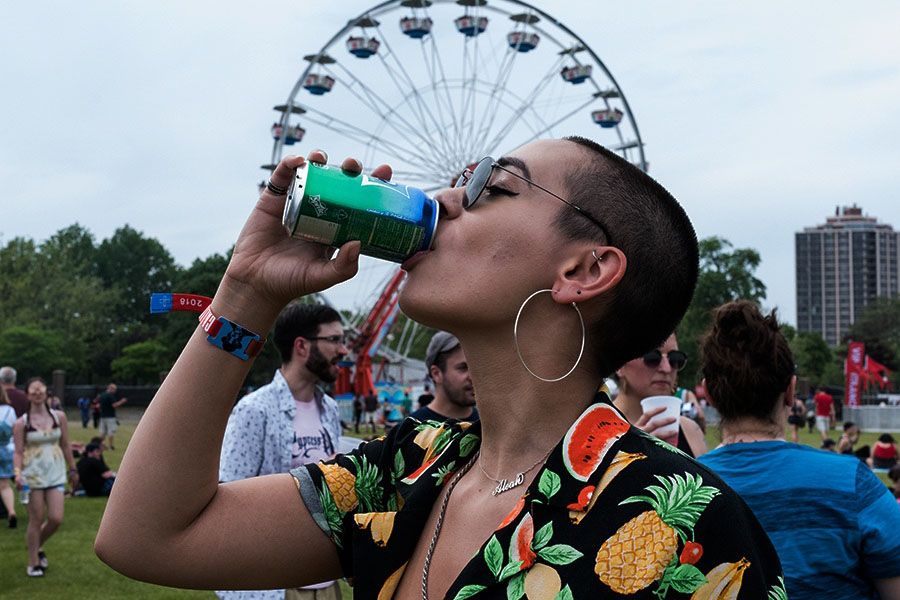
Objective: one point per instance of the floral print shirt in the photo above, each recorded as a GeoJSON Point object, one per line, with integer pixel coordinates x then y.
{"type": "Point", "coordinates": [613, 513]}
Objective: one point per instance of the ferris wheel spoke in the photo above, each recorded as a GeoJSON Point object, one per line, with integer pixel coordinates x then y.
{"type": "Point", "coordinates": [374, 99]}
{"type": "Point", "coordinates": [367, 137]}
{"type": "Point", "coordinates": [495, 101]}
{"type": "Point", "coordinates": [478, 68]}
{"type": "Point", "coordinates": [504, 130]}
{"type": "Point", "coordinates": [437, 65]}
{"type": "Point", "coordinates": [557, 122]}
{"type": "Point", "coordinates": [420, 103]}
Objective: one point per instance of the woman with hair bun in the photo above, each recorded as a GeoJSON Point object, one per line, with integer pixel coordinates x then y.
{"type": "Point", "coordinates": [832, 521]}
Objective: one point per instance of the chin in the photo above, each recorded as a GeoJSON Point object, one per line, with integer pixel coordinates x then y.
{"type": "Point", "coordinates": [425, 305]}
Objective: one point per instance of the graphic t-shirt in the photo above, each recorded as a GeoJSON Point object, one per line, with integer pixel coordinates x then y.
{"type": "Point", "coordinates": [613, 513]}
{"type": "Point", "coordinates": [312, 441]}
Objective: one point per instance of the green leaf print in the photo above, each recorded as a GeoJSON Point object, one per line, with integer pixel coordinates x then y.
{"type": "Point", "coordinates": [565, 594]}
{"type": "Point", "coordinates": [399, 466]}
{"type": "Point", "coordinates": [510, 569]}
{"type": "Point", "coordinates": [560, 554]}
{"type": "Point", "coordinates": [542, 537]}
{"type": "Point", "coordinates": [468, 592]}
{"type": "Point", "coordinates": [368, 485]}
{"type": "Point", "coordinates": [467, 444]}
{"type": "Point", "coordinates": [332, 515]}
{"type": "Point", "coordinates": [515, 589]}
{"type": "Point", "coordinates": [777, 591]}
{"type": "Point", "coordinates": [686, 579]}
{"type": "Point", "coordinates": [549, 484]}
{"type": "Point", "coordinates": [493, 556]}
{"type": "Point", "coordinates": [443, 472]}
{"type": "Point", "coordinates": [663, 444]}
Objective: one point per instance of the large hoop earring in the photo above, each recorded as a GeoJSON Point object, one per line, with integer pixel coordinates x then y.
{"type": "Point", "coordinates": [519, 352]}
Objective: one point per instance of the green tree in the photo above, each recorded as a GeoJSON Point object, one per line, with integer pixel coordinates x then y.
{"type": "Point", "coordinates": [33, 350]}
{"type": "Point", "coordinates": [141, 363]}
{"type": "Point", "coordinates": [726, 273]}
{"type": "Point", "coordinates": [136, 266]}
{"type": "Point", "coordinates": [878, 326]}
{"type": "Point", "coordinates": [813, 356]}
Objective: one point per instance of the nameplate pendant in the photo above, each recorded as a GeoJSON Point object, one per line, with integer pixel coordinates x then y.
{"type": "Point", "coordinates": [506, 485]}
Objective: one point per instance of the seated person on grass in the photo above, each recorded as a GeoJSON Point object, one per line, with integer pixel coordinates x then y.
{"type": "Point", "coordinates": [96, 478]}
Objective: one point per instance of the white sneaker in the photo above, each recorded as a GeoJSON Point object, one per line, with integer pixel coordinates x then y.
{"type": "Point", "coordinates": [35, 571]}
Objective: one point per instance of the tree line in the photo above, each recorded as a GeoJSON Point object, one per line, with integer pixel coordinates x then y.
{"type": "Point", "coordinates": [73, 303]}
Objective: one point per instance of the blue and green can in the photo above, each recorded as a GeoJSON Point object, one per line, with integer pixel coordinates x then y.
{"type": "Point", "coordinates": [329, 206]}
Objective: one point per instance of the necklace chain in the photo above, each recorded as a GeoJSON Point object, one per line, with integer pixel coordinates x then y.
{"type": "Point", "coordinates": [504, 485]}
{"type": "Point", "coordinates": [440, 522]}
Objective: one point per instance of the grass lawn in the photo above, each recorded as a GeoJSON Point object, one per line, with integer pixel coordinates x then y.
{"type": "Point", "coordinates": [75, 572]}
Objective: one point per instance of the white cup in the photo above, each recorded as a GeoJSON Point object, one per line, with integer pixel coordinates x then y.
{"type": "Point", "coordinates": [673, 410]}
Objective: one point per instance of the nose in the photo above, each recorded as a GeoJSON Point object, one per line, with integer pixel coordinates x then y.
{"type": "Point", "coordinates": [450, 202]}
{"type": "Point", "coordinates": [664, 365]}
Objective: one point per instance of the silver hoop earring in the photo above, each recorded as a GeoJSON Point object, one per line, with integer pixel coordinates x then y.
{"type": "Point", "coordinates": [597, 258]}
{"type": "Point", "coordinates": [519, 351]}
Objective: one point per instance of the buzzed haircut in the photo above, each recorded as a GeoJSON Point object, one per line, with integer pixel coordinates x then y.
{"type": "Point", "coordinates": [300, 320]}
{"type": "Point", "coordinates": [643, 220]}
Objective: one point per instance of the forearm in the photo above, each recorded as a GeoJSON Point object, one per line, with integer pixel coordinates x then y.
{"type": "Point", "coordinates": [174, 453]}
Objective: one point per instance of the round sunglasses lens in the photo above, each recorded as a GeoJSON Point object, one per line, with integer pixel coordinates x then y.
{"type": "Point", "coordinates": [677, 359]}
{"type": "Point", "coordinates": [652, 359]}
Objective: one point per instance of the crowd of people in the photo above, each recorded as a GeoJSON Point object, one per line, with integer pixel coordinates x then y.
{"type": "Point", "coordinates": [592, 498]}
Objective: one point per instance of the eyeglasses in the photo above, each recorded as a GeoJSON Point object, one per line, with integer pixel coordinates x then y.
{"type": "Point", "coordinates": [677, 359]}
{"type": "Point", "coordinates": [476, 181]}
{"type": "Point", "coordinates": [334, 339]}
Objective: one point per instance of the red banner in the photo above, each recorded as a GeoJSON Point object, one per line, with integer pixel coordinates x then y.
{"type": "Point", "coordinates": [854, 373]}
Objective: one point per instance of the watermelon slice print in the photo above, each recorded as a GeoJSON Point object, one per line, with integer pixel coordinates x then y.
{"type": "Point", "coordinates": [590, 438]}
{"type": "Point", "coordinates": [520, 544]}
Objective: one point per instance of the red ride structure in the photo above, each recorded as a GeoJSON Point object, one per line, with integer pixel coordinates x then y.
{"type": "Point", "coordinates": [371, 333]}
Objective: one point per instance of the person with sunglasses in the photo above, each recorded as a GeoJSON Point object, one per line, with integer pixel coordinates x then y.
{"type": "Point", "coordinates": [834, 523]}
{"type": "Point", "coordinates": [656, 374]}
{"type": "Point", "coordinates": [290, 421]}
{"type": "Point", "coordinates": [547, 268]}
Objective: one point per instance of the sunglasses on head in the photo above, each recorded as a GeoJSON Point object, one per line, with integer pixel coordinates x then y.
{"type": "Point", "coordinates": [677, 359]}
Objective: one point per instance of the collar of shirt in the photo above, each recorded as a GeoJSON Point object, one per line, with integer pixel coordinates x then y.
{"type": "Point", "coordinates": [286, 397]}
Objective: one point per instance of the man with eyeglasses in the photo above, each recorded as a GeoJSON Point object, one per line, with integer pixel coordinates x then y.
{"type": "Point", "coordinates": [291, 421]}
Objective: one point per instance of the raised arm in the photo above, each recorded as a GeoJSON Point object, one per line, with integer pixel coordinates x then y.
{"type": "Point", "coordinates": [168, 520]}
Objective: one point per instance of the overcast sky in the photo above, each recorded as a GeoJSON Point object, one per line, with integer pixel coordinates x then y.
{"type": "Point", "coordinates": [759, 117]}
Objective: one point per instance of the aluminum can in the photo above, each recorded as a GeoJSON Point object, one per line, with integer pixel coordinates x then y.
{"type": "Point", "coordinates": [392, 220]}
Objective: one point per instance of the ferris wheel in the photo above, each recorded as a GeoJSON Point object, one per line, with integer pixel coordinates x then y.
{"type": "Point", "coordinates": [432, 86]}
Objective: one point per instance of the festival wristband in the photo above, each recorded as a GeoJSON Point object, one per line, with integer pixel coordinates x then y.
{"type": "Point", "coordinates": [166, 302]}
{"type": "Point", "coordinates": [229, 336]}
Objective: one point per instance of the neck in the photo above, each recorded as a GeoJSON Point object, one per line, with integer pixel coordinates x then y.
{"type": "Point", "coordinates": [629, 405]}
{"type": "Point", "coordinates": [443, 406]}
{"type": "Point", "coordinates": [749, 429]}
{"type": "Point", "coordinates": [512, 401]}
{"type": "Point", "coordinates": [300, 381]}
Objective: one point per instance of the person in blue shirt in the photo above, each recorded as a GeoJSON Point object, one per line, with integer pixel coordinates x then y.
{"type": "Point", "coordinates": [834, 524]}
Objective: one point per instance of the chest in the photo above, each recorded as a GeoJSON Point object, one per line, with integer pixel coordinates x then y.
{"type": "Point", "coordinates": [470, 519]}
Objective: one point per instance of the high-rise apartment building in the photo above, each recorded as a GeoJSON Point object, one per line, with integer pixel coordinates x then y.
{"type": "Point", "coordinates": [841, 267]}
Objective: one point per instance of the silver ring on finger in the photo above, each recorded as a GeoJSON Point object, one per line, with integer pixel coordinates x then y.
{"type": "Point", "coordinates": [276, 189]}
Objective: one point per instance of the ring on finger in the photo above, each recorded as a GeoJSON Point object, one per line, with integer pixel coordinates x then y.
{"type": "Point", "coordinates": [276, 189]}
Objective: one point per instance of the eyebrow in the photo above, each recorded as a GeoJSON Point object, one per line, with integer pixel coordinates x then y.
{"type": "Point", "coordinates": [512, 161]}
